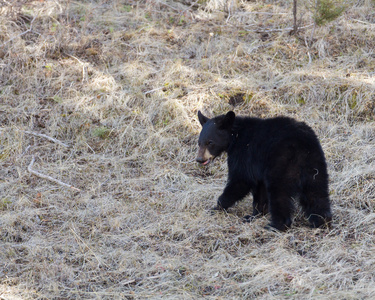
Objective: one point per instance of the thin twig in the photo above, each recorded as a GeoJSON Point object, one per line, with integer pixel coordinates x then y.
{"type": "Point", "coordinates": [208, 42]}
{"type": "Point", "coordinates": [23, 33]}
{"type": "Point", "coordinates": [128, 282]}
{"type": "Point", "coordinates": [153, 90]}
{"type": "Point", "coordinates": [185, 10]}
{"type": "Point", "coordinates": [308, 50]}
{"type": "Point", "coordinates": [29, 168]}
{"type": "Point", "coordinates": [258, 13]}
{"type": "Point", "coordinates": [27, 149]}
{"type": "Point", "coordinates": [165, 4]}
{"type": "Point", "coordinates": [364, 22]}
{"type": "Point", "coordinates": [90, 148]}
{"type": "Point", "coordinates": [84, 68]}
{"type": "Point", "coordinates": [47, 137]}
{"type": "Point", "coordinates": [295, 25]}
{"type": "Point", "coordinates": [312, 35]}
{"type": "Point", "coordinates": [266, 30]}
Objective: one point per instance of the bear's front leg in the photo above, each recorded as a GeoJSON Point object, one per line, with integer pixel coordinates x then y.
{"type": "Point", "coordinates": [260, 203]}
{"type": "Point", "coordinates": [233, 192]}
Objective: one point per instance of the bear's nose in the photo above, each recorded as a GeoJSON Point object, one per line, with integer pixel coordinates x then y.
{"type": "Point", "coordinates": [200, 160]}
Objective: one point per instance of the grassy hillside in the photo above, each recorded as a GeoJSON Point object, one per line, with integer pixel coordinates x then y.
{"type": "Point", "coordinates": [103, 95]}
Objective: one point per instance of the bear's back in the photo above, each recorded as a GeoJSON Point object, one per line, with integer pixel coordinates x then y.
{"type": "Point", "coordinates": [274, 129]}
{"type": "Point", "coordinates": [261, 140]}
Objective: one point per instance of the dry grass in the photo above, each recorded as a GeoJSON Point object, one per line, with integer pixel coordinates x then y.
{"type": "Point", "coordinates": [120, 83]}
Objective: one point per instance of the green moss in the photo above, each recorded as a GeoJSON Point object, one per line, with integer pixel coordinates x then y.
{"type": "Point", "coordinates": [353, 101]}
{"type": "Point", "coordinates": [126, 8]}
{"type": "Point", "coordinates": [4, 203]}
{"type": "Point", "coordinates": [102, 132]}
{"type": "Point", "coordinates": [301, 100]}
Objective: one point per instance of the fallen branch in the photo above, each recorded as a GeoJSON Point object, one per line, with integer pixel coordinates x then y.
{"type": "Point", "coordinates": [23, 33]}
{"type": "Point", "coordinates": [154, 90]}
{"type": "Point", "coordinates": [183, 12]}
{"type": "Point", "coordinates": [84, 67]}
{"type": "Point", "coordinates": [47, 137]}
{"type": "Point", "coordinates": [29, 168]}
{"type": "Point", "coordinates": [167, 5]}
{"type": "Point", "coordinates": [128, 282]}
{"type": "Point", "coordinates": [267, 30]}
{"type": "Point", "coordinates": [363, 22]}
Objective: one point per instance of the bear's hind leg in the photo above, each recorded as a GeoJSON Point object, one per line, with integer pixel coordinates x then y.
{"type": "Point", "coordinates": [281, 208]}
{"type": "Point", "coordinates": [317, 208]}
{"type": "Point", "coordinates": [315, 199]}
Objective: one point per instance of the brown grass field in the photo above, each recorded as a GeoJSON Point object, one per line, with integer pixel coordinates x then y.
{"type": "Point", "coordinates": [104, 96]}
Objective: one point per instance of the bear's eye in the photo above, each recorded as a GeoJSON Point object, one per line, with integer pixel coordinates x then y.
{"type": "Point", "coordinates": [210, 143]}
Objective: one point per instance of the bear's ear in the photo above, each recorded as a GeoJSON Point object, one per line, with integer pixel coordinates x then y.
{"type": "Point", "coordinates": [227, 120]}
{"type": "Point", "coordinates": [202, 119]}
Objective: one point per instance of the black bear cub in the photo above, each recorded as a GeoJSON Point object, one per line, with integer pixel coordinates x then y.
{"type": "Point", "coordinates": [275, 159]}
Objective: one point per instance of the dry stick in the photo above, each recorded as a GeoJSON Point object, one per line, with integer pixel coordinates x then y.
{"type": "Point", "coordinates": [154, 90]}
{"type": "Point", "coordinates": [230, 5]}
{"type": "Point", "coordinates": [23, 33]}
{"type": "Point", "coordinates": [363, 22]}
{"type": "Point", "coordinates": [165, 4]}
{"type": "Point", "coordinates": [84, 71]}
{"type": "Point", "coordinates": [266, 30]}
{"type": "Point", "coordinates": [128, 282]}
{"type": "Point", "coordinates": [295, 25]}
{"type": "Point", "coordinates": [264, 13]}
{"type": "Point", "coordinates": [208, 42]}
{"type": "Point", "coordinates": [308, 45]}
{"type": "Point", "coordinates": [48, 177]}
{"type": "Point", "coordinates": [180, 15]}
{"type": "Point", "coordinates": [24, 152]}
{"type": "Point", "coordinates": [47, 137]}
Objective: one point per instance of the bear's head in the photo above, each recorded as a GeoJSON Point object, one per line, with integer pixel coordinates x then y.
{"type": "Point", "coordinates": [214, 137]}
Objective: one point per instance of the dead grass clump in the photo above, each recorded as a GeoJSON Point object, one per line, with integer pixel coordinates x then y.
{"type": "Point", "coordinates": [104, 96]}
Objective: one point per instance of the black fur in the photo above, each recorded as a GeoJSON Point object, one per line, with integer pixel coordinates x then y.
{"type": "Point", "coordinates": [275, 159]}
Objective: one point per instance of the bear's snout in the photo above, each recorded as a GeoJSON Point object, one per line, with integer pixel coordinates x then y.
{"type": "Point", "coordinates": [200, 160]}
{"type": "Point", "coordinates": [203, 161]}
{"type": "Point", "coordinates": [204, 156]}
